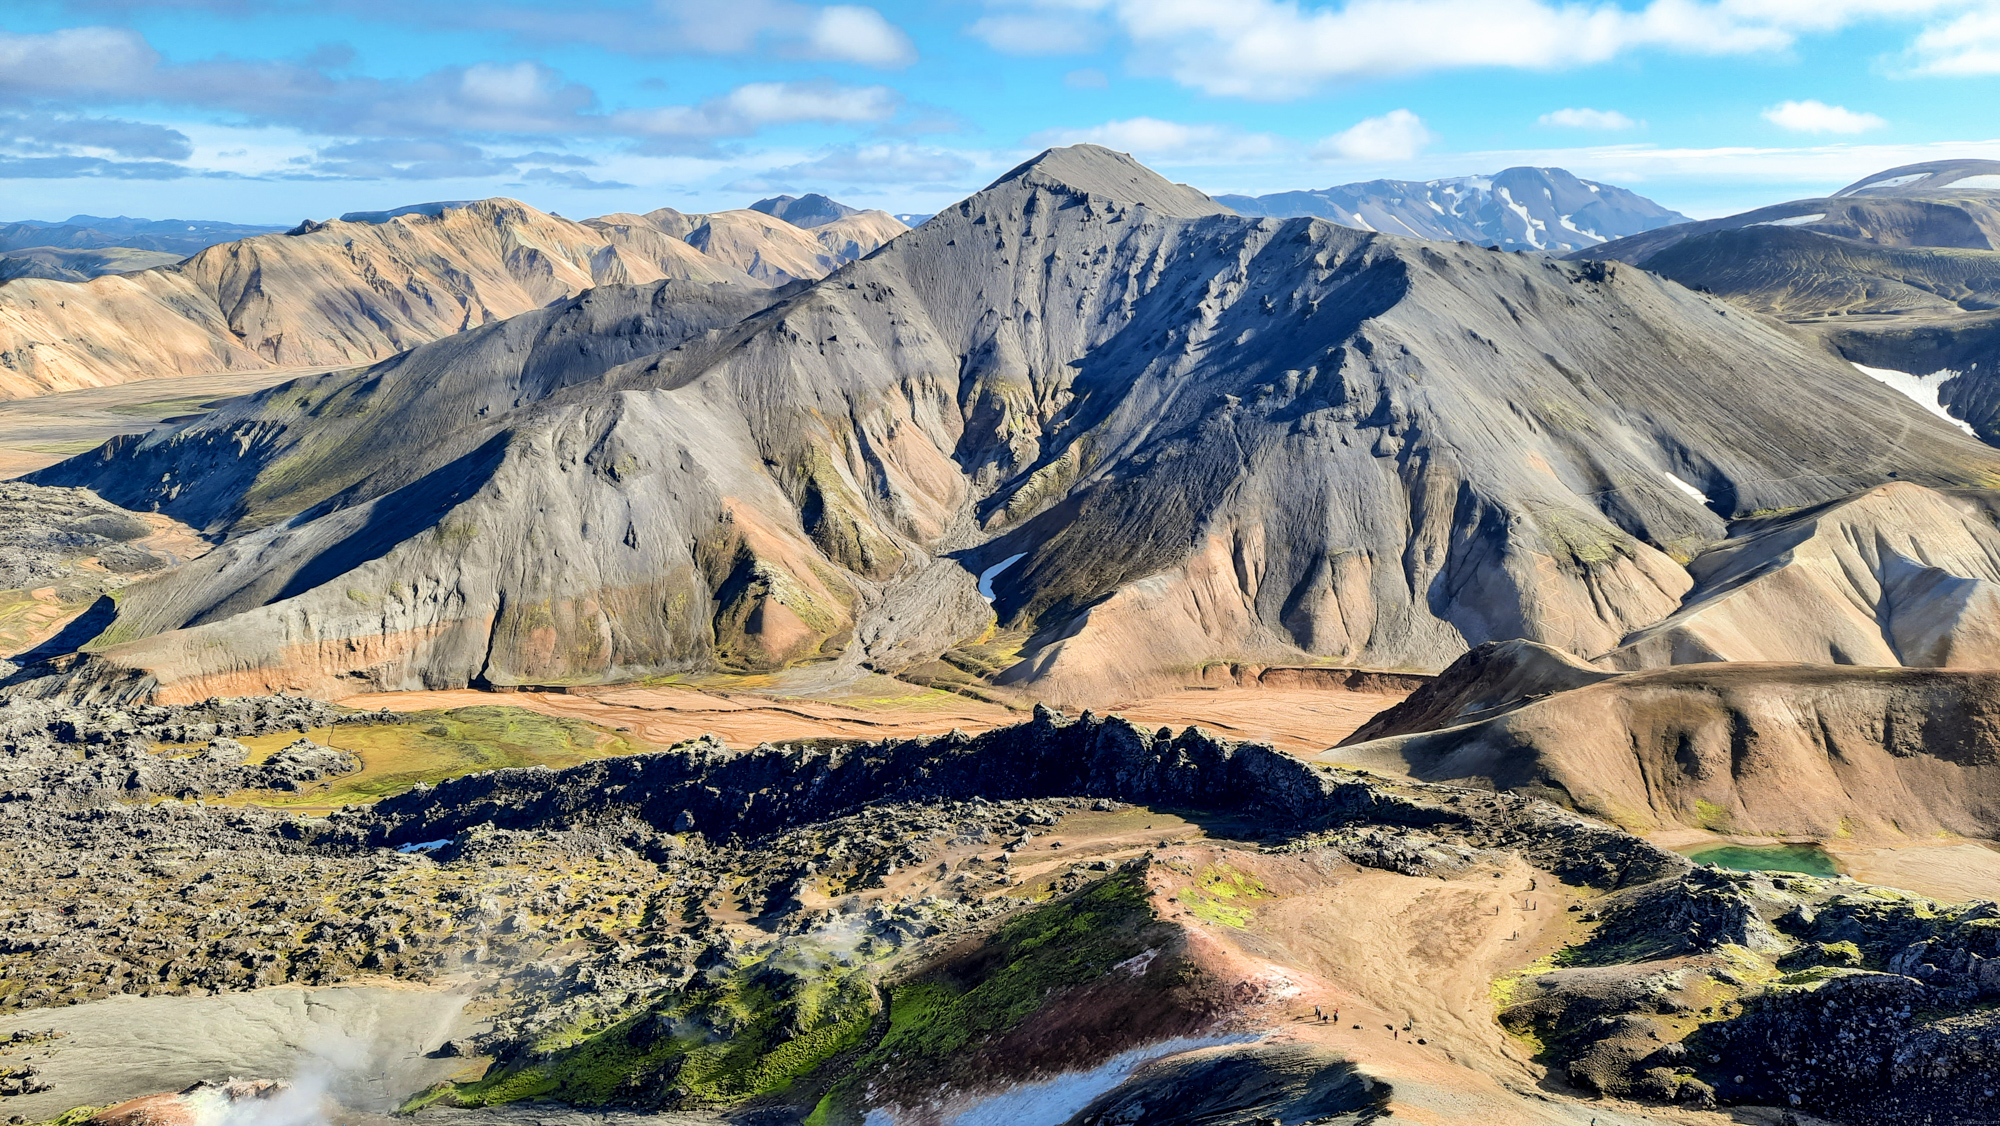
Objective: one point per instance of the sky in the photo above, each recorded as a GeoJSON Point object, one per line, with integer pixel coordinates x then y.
{"type": "Point", "coordinates": [272, 111]}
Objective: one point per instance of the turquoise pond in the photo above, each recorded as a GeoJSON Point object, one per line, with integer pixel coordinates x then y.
{"type": "Point", "coordinates": [1805, 859]}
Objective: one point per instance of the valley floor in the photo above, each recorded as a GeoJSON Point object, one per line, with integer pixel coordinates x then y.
{"type": "Point", "coordinates": [38, 432]}
{"type": "Point", "coordinates": [1298, 720]}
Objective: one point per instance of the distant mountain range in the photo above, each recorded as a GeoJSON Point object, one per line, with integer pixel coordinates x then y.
{"type": "Point", "coordinates": [1515, 209]}
{"type": "Point", "coordinates": [92, 232]}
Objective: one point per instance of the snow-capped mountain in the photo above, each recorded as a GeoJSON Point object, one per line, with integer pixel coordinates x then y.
{"type": "Point", "coordinates": [1517, 209]}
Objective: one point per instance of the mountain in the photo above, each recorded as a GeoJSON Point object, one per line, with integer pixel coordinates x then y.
{"type": "Point", "coordinates": [356, 291]}
{"type": "Point", "coordinates": [56, 264]}
{"type": "Point", "coordinates": [1791, 750]}
{"type": "Point", "coordinates": [1150, 432]}
{"type": "Point", "coordinates": [180, 237]}
{"type": "Point", "coordinates": [1916, 206]}
{"type": "Point", "coordinates": [1899, 272]}
{"type": "Point", "coordinates": [1898, 575]}
{"type": "Point", "coordinates": [845, 232]}
{"type": "Point", "coordinates": [804, 211]}
{"type": "Point", "coordinates": [1515, 209]}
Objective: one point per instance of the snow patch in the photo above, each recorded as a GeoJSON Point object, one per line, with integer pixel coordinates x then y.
{"type": "Point", "coordinates": [1687, 488]}
{"type": "Point", "coordinates": [1890, 182]}
{"type": "Point", "coordinates": [1793, 221]}
{"type": "Point", "coordinates": [1988, 182]}
{"type": "Point", "coordinates": [1054, 1101]}
{"type": "Point", "coordinates": [424, 846]}
{"type": "Point", "coordinates": [1922, 390]}
{"type": "Point", "coordinates": [986, 577]}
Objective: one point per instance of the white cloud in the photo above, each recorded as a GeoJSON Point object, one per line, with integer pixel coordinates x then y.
{"type": "Point", "coordinates": [1968, 45]}
{"type": "Point", "coordinates": [1041, 27]}
{"type": "Point", "coordinates": [1577, 118]}
{"type": "Point", "coordinates": [753, 106]}
{"type": "Point", "coordinates": [874, 164]}
{"type": "Point", "coordinates": [1278, 49]}
{"type": "Point", "coordinates": [1817, 117]}
{"type": "Point", "coordinates": [1035, 33]}
{"type": "Point", "coordinates": [75, 60]}
{"type": "Point", "coordinates": [1150, 138]}
{"type": "Point", "coordinates": [1396, 135]}
{"type": "Point", "coordinates": [520, 86]}
{"type": "Point", "coordinates": [848, 33]}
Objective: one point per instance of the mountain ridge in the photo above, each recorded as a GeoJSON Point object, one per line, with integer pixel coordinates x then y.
{"type": "Point", "coordinates": [1193, 436]}
{"type": "Point", "coordinates": [345, 292]}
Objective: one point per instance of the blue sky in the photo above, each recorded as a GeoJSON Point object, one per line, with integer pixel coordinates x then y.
{"type": "Point", "coordinates": [277, 110]}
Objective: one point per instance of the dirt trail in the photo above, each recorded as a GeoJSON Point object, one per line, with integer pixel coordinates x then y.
{"type": "Point", "coordinates": [1389, 951]}
{"type": "Point", "coordinates": [1297, 720]}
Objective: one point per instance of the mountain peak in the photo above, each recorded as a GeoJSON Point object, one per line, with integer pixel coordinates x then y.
{"type": "Point", "coordinates": [1096, 170]}
{"type": "Point", "coordinates": [810, 210]}
{"type": "Point", "coordinates": [1927, 178]}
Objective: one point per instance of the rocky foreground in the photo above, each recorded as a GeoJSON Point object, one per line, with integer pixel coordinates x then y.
{"type": "Point", "coordinates": [912, 928]}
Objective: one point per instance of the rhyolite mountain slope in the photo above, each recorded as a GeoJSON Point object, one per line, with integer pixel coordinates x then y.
{"type": "Point", "coordinates": [846, 232]}
{"type": "Point", "coordinates": [1772, 749]}
{"type": "Point", "coordinates": [364, 288]}
{"type": "Point", "coordinates": [1515, 209]}
{"type": "Point", "coordinates": [1165, 434]}
{"type": "Point", "coordinates": [1898, 575]}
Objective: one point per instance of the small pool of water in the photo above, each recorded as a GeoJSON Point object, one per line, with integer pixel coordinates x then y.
{"type": "Point", "coordinates": [1805, 859]}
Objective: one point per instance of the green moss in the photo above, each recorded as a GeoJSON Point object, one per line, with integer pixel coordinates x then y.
{"type": "Point", "coordinates": [75, 1116]}
{"type": "Point", "coordinates": [1031, 959]}
{"type": "Point", "coordinates": [1223, 895]}
{"type": "Point", "coordinates": [1812, 977]}
{"type": "Point", "coordinates": [1712, 816]}
{"type": "Point", "coordinates": [751, 1033]}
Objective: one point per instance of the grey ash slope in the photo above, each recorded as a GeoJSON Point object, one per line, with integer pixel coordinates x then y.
{"type": "Point", "coordinates": [1515, 209]}
{"type": "Point", "coordinates": [1203, 436]}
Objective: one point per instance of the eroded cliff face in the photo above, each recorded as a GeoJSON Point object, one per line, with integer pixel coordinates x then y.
{"type": "Point", "coordinates": [1187, 436]}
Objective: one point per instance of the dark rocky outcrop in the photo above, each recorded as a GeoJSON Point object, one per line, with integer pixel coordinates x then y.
{"type": "Point", "coordinates": [733, 795]}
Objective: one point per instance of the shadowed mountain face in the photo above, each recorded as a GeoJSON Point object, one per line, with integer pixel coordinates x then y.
{"type": "Point", "coordinates": [1517, 209]}
{"type": "Point", "coordinates": [1163, 433]}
